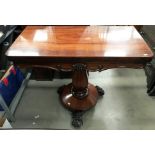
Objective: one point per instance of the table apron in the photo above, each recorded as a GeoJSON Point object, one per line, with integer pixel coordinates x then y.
{"type": "Point", "coordinates": [91, 66]}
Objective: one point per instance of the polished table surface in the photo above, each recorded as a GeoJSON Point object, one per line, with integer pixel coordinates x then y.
{"type": "Point", "coordinates": [80, 41]}
{"type": "Point", "coordinates": [80, 49]}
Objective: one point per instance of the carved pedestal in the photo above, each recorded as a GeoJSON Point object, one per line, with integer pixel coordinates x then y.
{"type": "Point", "coordinates": [80, 95]}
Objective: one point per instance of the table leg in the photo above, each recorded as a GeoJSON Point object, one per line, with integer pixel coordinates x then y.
{"type": "Point", "coordinates": [100, 91]}
{"type": "Point", "coordinates": [77, 119]}
{"type": "Point", "coordinates": [79, 95]}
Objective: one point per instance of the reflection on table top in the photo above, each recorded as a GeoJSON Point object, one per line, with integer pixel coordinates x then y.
{"type": "Point", "coordinates": [79, 41]}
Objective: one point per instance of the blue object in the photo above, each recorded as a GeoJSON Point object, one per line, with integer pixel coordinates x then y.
{"type": "Point", "coordinates": [20, 76]}
{"type": "Point", "coordinates": [10, 85]}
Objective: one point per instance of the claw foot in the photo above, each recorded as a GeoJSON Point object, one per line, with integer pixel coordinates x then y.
{"type": "Point", "coordinates": [100, 91]}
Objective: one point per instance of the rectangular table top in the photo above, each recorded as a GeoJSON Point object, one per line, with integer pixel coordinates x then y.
{"type": "Point", "coordinates": [80, 42]}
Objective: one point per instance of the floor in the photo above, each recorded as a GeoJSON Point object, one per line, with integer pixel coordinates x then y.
{"type": "Point", "coordinates": [125, 104]}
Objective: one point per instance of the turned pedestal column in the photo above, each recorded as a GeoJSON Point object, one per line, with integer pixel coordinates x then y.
{"type": "Point", "coordinates": [79, 95]}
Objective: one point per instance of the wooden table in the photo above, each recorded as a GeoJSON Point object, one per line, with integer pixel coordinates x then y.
{"type": "Point", "coordinates": [80, 49]}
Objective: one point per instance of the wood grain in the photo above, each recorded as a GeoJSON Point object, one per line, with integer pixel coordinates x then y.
{"type": "Point", "coordinates": [80, 42]}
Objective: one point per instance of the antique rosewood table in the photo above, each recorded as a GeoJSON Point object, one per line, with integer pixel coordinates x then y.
{"type": "Point", "coordinates": [80, 49]}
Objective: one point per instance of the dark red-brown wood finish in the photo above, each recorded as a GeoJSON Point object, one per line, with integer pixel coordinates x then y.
{"type": "Point", "coordinates": [80, 49]}
{"type": "Point", "coordinates": [116, 46]}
